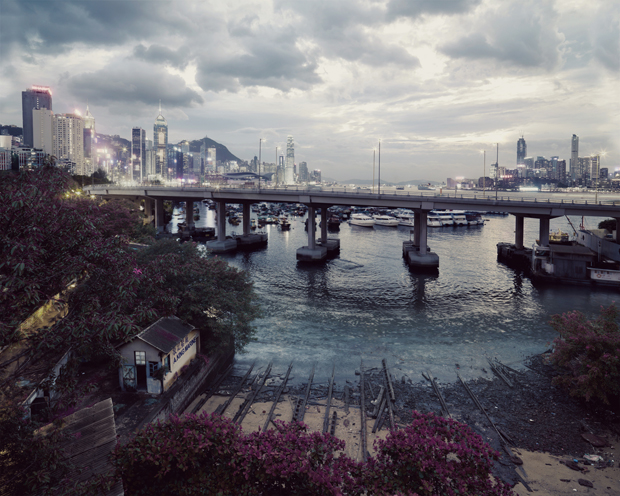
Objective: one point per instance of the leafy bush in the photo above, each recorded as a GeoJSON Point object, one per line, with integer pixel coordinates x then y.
{"type": "Point", "coordinates": [589, 351]}
{"type": "Point", "coordinates": [433, 456]}
{"type": "Point", "coordinates": [210, 455]}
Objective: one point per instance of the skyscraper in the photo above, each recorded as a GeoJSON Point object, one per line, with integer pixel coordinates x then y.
{"type": "Point", "coordinates": [521, 151]}
{"type": "Point", "coordinates": [89, 138]}
{"type": "Point", "coordinates": [37, 97]}
{"type": "Point", "coordinates": [595, 168]}
{"type": "Point", "coordinates": [68, 142]}
{"type": "Point", "coordinates": [289, 175]}
{"type": "Point", "coordinates": [303, 172]}
{"type": "Point", "coordinates": [43, 130]}
{"type": "Point", "coordinates": [574, 158]}
{"type": "Point", "coordinates": [138, 154]}
{"type": "Point", "coordinates": [160, 143]}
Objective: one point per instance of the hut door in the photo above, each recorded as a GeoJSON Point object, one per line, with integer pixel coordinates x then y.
{"type": "Point", "coordinates": [140, 360]}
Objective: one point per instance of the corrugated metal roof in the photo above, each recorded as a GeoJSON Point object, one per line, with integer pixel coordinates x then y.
{"type": "Point", "coordinates": [166, 333]}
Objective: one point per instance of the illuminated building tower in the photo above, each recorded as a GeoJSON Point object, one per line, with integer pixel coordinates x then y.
{"type": "Point", "coordinates": [595, 168]}
{"type": "Point", "coordinates": [289, 174]}
{"type": "Point", "coordinates": [211, 159]}
{"type": "Point", "coordinates": [160, 144]}
{"type": "Point", "coordinates": [68, 142]}
{"type": "Point", "coordinates": [138, 154]}
{"type": "Point", "coordinates": [37, 97]}
{"type": "Point", "coordinates": [574, 158]}
{"type": "Point", "coordinates": [89, 138]}
{"type": "Point", "coordinates": [521, 151]}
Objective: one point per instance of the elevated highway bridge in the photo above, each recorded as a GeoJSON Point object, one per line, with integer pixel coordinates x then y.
{"type": "Point", "coordinates": [541, 206]}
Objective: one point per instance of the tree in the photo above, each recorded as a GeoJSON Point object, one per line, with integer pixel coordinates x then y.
{"type": "Point", "coordinates": [59, 247]}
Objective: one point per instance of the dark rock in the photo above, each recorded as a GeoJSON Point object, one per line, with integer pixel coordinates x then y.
{"type": "Point", "coordinates": [594, 440]}
{"type": "Point", "coordinates": [585, 482]}
{"type": "Point", "coordinates": [572, 465]}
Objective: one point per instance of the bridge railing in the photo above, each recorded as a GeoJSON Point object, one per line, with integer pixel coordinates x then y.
{"type": "Point", "coordinates": [356, 193]}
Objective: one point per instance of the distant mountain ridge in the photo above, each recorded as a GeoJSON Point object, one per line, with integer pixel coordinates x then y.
{"type": "Point", "coordinates": [222, 153]}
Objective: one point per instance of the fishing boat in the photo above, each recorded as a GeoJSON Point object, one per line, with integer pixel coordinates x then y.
{"type": "Point", "coordinates": [285, 225]}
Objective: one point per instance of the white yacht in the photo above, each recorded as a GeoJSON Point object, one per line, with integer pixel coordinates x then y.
{"type": "Point", "coordinates": [459, 218]}
{"type": "Point", "coordinates": [361, 220]}
{"type": "Point", "coordinates": [386, 220]}
{"type": "Point", "coordinates": [405, 217]}
{"type": "Point", "coordinates": [440, 218]}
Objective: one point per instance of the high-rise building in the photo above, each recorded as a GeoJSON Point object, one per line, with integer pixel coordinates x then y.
{"type": "Point", "coordinates": [138, 154]}
{"type": "Point", "coordinates": [303, 172]}
{"type": "Point", "coordinates": [68, 142]}
{"type": "Point", "coordinates": [561, 174]}
{"type": "Point", "coordinates": [574, 158]}
{"type": "Point", "coordinates": [43, 130]}
{"type": "Point", "coordinates": [521, 151]}
{"type": "Point", "coordinates": [289, 174]}
{"type": "Point", "coordinates": [160, 144]}
{"type": "Point", "coordinates": [149, 159]}
{"type": "Point", "coordinates": [315, 175]}
{"type": "Point", "coordinates": [553, 167]}
{"type": "Point", "coordinates": [211, 159]}
{"type": "Point", "coordinates": [90, 161]}
{"type": "Point", "coordinates": [595, 168]}
{"type": "Point", "coordinates": [37, 97]}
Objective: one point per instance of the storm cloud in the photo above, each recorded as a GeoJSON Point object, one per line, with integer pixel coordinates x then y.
{"type": "Point", "coordinates": [132, 82]}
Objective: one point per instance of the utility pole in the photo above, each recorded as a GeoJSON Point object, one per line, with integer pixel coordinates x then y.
{"type": "Point", "coordinates": [484, 173]}
{"type": "Point", "coordinates": [496, 171]}
{"type": "Point", "coordinates": [373, 171]}
{"type": "Point", "coordinates": [260, 143]}
{"type": "Point", "coordinates": [379, 185]}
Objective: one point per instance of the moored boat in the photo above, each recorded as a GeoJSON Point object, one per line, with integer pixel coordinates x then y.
{"type": "Point", "coordinates": [385, 220]}
{"type": "Point", "coordinates": [362, 220]}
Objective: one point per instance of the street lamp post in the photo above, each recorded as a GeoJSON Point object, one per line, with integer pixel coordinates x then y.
{"type": "Point", "coordinates": [484, 173]}
{"type": "Point", "coordinates": [379, 182]}
{"type": "Point", "coordinates": [260, 143]}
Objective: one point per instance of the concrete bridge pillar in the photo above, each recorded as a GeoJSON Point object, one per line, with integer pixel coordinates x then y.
{"type": "Point", "coordinates": [311, 228]}
{"type": "Point", "coordinates": [333, 244]}
{"type": "Point", "coordinates": [423, 244]}
{"type": "Point", "coordinates": [416, 252]}
{"type": "Point", "coordinates": [416, 227]}
{"type": "Point", "coordinates": [519, 232]}
{"type": "Point", "coordinates": [617, 229]}
{"type": "Point", "coordinates": [189, 213]}
{"type": "Point", "coordinates": [159, 215]}
{"type": "Point", "coordinates": [312, 252]}
{"type": "Point", "coordinates": [543, 234]}
{"type": "Point", "coordinates": [246, 219]}
{"type": "Point", "coordinates": [323, 224]}
{"type": "Point", "coordinates": [221, 244]}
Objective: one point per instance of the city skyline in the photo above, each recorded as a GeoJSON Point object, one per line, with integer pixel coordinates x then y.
{"type": "Point", "coordinates": [435, 82]}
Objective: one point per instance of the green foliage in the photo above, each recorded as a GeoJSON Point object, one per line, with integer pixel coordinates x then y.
{"type": "Point", "coordinates": [58, 247]}
{"type": "Point", "coordinates": [589, 353]}
{"type": "Point", "coordinates": [609, 224]}
{"type": "Point", "coordinates": [30, 463]}
{"type": "Point", "coordinates": [209, 454]}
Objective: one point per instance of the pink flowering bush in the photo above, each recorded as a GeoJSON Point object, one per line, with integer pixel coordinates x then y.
{"type": "Point", "coordinates": [210, 455]}
{"type": "Point", "coordinates": [182, 456]}
{"type": "Point", "coordinates": [433, 456]}
{"type": "Point", "coordinates": [589, 351]}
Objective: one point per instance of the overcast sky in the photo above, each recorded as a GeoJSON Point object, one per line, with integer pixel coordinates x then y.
{"type": "Point", "coordinates": [435, 80]}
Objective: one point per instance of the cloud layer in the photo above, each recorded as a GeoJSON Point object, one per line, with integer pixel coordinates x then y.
{"type": "Point", "coordinates": [436, 81]}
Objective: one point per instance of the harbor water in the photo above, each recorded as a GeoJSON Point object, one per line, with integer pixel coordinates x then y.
{"type": "Point", "coordinates": [367, 305]}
